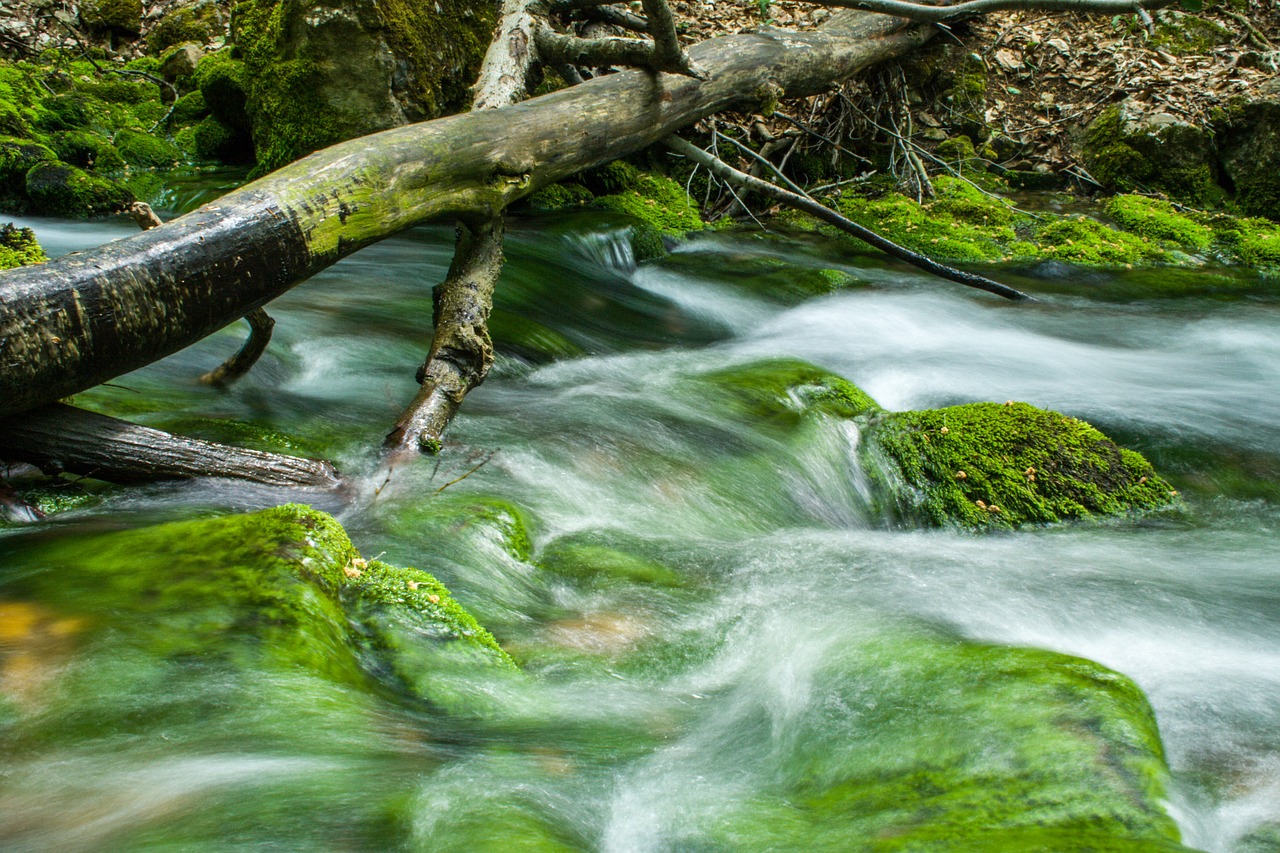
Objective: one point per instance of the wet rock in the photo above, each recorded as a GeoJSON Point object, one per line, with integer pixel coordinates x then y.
{"type": "Point", "coordinates": [991, 465]}
{"type": "Point", "coordinates": [1249, 142]}
{"type": "Point", "coordinates": [58, 189]}
{"type": "Point", "coordinates": [925, 743]}
{"type": "Point", "coordinates": [1126, 148]}
{"type": "Point", "coordinates": [180, 61]}
{"type": "Point", "coordinates": [326, 71]}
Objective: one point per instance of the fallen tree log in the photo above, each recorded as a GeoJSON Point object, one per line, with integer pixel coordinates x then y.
{"type": "Point", "coordinates": [83, 319]}
{"type": "Point", "coordinates": [60, 438]}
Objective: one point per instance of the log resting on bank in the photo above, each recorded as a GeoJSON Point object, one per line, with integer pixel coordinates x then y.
{"type": "Point", "coordinates": [78, 321]}
{"type": "Point", "coordinates": [63, 438]}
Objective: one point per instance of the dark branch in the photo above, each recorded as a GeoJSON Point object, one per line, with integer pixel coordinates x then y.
{"type": "Point", "coordinates": [726, 172]}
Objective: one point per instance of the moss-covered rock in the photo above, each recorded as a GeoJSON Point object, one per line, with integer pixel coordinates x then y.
{"type": "Point", "coordinates": [122, 16]}
{"type": "Point", "coordinates": [180, 61]}
{"type": "Point", "coordinates": [1248, 134]}
{"type": "Point", "coordinates": [282, 586]}
{"type": "Point", "coordinates": [925, 743]}
{"type": "Point", "coordinates": [1086, 241]}
{"type": "Point", "coordinates": [985, 465]}
{"type": "Point", "coordinates": [86, 150]}
{"type": "Point", "coordinates": [58, 189]}
{"type": "Point", "coordinates": [199, 23]}
{"type": "Point", "coordinates": [1183, 34]}
{"type": "Point", "coordinates": [783, 391]}
{"type": "Point", "coordinates": [353, 67]}
{"type": "Point", "coordinates": [189, 109]}
{"type": "Point", "coordinates": [961, 225]}
{"type": "Point", "coordinates": [223, 82]}
{"type": "Point", "coordinates": [17, 157]}
{"type": "Point", "coordinates": [18, 247]}
{"type": "Point", "coordinates": [146, 151]}
{"type": "Point", "coordinates": [560, 197]}
{"type": "Point", "coordinates": [1157, 219]}
{"type": "Point", "coordinates": [658, 201]}
{"type": "Point", "coordinates": [1126, 149]}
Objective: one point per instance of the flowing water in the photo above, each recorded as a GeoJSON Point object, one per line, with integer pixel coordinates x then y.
{"type": "Point", "coordinates": [651, 711]}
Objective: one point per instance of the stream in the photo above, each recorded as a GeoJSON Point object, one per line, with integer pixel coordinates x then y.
{"type": "Point", "coordinates": [653, 706]}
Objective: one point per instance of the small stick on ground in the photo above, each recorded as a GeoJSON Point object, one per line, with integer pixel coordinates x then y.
{"type": "Point", "coordinates": [726, 172]}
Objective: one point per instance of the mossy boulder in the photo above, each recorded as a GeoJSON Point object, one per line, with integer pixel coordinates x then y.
{"type": "Point", "coordinates": [223, 82]}
{"type": "Point", "coordinates": [323, 72]}
{"type": "Point", "coordinates": [917, 742]}
{"type": "Point", "coordinates": [59, 189]}
{"type": "Point", "coordinates": [281, 587]}
{"type": "Point", "coordinates": [17, 157]}
{"type": "Point", "coordinates": [1249, 144]}
{"type": "Point", "coordinates": [120, 16]}
{"type": "Point", "coordinates": [87, 150]}
{"type": "Point", "coordinates": [199, 24]}
{"type": "Point", "coordinates": [180, 61]}
{"type": "Point", "coordinates": [18, 247]}
{"type": "Point", "coordinates": [1127, 149]}
{"type": "Point", "coordinates": [660, 206]}
{"type": "Point", "coordinates": [146, 151]}
{"type": "Point", "coordinates": [991, 465]}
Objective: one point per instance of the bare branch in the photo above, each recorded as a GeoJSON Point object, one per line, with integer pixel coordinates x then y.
{"type": "Point", "coordinates": [557, 47]}
{"type": "Point", "coordinates": [504, 74]}
{"type": "Point", "coordinates": [668, 55]}
{"type": "Point", "coordinates": [618, 18]}
{"type": "Point", "coordinates": [940, 14]}
{"type": "Point", "coordinates": [726, 172]}
{"type": "Point", "coordinates": [461, 350]}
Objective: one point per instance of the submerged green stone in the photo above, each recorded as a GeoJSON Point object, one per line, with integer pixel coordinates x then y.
{"type": "Point", "coordinates": [784, 390]}
{"type": "Point", "coordinates": [924, 743]}
{"type": "Point", "coordinates": [990, 465]}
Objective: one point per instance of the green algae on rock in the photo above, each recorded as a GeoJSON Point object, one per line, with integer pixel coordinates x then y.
{"type": "Point", "coordinates": [988, 465]}
{"type": "Point", "coordinates": [926, 743]}
{"type": "Point", "coordinates": [62, 190]}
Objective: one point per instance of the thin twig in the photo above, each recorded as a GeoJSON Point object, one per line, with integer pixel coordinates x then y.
{"type": "Point", "coordinates": [483, 463]}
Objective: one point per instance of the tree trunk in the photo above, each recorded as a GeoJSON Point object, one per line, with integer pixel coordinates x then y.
{"type": "Point", "coordinates": [83, 319]}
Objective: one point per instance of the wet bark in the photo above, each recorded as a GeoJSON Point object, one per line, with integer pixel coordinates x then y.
{"type": "Point", "coordinates": [60, 438]}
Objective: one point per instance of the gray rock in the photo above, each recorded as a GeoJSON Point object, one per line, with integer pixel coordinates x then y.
{"type": "Point", "coordinates": [180, 61]}
{"type": "Point", "coordinates": [1249, 142]}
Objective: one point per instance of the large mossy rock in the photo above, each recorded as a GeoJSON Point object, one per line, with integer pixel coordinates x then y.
{"type": "Point", "coordinates": [59, 189]}
{"type": "Point", "coordinates": [321, 71]}
{"type": "Point", "coordinates": [281, 587]}
{"type": "Point", "coordinates": [925, 743]}
{"type": "Point", "coordinates": [986, 465]}
{"type": "Point", "coordinates": [1249, 141]}
{"type": "Point", "coordinates": [1128, 149]}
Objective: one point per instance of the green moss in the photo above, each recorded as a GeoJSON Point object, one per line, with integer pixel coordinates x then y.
{"type": "Point", "coordinates": [18, 247]}
{"type": "Point", "coordinates": [961, 225]}
{"type": "Point", "coordinates": [782, 392]}
{"type": "Point", "coordinates": [490, 518]}
{"type": "Point", "coordinates": [1182, 34]}
{"type": "Point", "coordinates": [282, 585]}
{"type": "Point", "coordinates": [1158, 220]}
{"type": "Point", "coordinates": [958, 150]}
{"type": "Point", "coordinates": [86, 150]}
{"type": "Point", "coordinates": [223, 82]}
{"type": "Point", "coordinates": [611, 178]}
{"type": "Point", "coordinates": [1254, 241]}
{"type": "Point", "coordinates": [559, 196]}
{"type": "Point", "coordinates": [199, 23]}
{"type": "Point", "coordinates": [1036, 466]}
{"type": "Point", "coordinates": [61, 190]}
{"type": "Point", "coordinates": [444, 41]}
{"type": "Point", "coordinates": [146, 151]}
{"type": "Point", "coordinates": [1175, 158]}
{"type": "Point", "coordinates": [1087, 241]}
{"type": "Point", "coordinates": [659, 202]}
{"type": "Point", "coordinates": [189, 109]}
{"type": "Point", "coordinates": [66, 111]}
{"type": "Point", "coordinates": [124, 16]}
{"type": "Point", "coordinates": [17, 157]}
{"type": "Point", "coordinates": [211, 140]}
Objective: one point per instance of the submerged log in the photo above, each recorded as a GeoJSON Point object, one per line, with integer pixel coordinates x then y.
{"type": "Point", "coordinates": [59, 438]}
{"type": "Point", "coordinates": [83, 319]}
